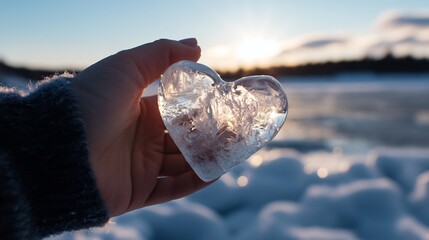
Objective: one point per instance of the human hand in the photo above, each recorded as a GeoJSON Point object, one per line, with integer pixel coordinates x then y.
{"type": "Point", "coordinates": [135, 162]}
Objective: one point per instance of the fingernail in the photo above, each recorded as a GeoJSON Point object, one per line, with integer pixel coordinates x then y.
{"type": "Point", "coordinates": [191, 42]}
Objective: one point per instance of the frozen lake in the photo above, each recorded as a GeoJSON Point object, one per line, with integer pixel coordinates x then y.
{"type": "Point", "coordinates": [356, 112]}
{"type": "Point", "coordinates": [366, 110]}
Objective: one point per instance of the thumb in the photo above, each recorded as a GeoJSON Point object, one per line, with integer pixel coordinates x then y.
{"type": "Point", "coordinates": [154, 58]}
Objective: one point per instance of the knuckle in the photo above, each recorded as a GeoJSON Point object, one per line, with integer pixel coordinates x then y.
{"type": "Point", "coordinates": [163, 42]}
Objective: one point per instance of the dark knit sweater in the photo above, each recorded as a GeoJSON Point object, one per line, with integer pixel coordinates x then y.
{"type": "Point", "coordinates": [46, 182]}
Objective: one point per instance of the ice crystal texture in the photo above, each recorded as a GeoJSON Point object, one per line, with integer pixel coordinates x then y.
{"type": "Point", "coordinates": [218, 124]}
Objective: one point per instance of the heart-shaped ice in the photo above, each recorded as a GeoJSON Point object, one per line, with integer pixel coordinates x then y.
{"type": "Point", "coordinates": [218, 124]}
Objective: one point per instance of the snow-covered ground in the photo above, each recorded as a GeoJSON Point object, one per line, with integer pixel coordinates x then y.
{"type": "Point", "coordinates": [352, 162]}
{"type": "Point", "coordinates": [281, 194]}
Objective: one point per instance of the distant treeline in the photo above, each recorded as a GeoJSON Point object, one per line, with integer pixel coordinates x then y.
{"type": "Point", "coordinates": [388, 64]}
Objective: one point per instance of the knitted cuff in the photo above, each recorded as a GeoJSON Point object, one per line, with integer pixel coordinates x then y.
{"type": "Point", "coordinates": [44, 137]}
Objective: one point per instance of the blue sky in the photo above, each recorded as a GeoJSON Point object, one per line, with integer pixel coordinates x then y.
{"type": "Point", "coordinates": [78, 33]}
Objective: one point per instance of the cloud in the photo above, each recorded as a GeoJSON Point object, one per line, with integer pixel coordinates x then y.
{"type": "Point", "coordinates": [401, 46]}
{"type": "Point", "coordinates": [312, 42]}
{"type": "Point", "coordinates": [396, 20]}
{"type": "Point", "coordinates": [402, 34]}
{"type": "Point", "coordinates": [411, 40]}
{"type": "Point", "coordinates": [319, 48]}
{"type": "Point", "coordinates": [399, 33]}
{"type": "Point", "coordinates": [323, 42]}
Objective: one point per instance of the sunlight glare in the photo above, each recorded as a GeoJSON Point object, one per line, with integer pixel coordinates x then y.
{"type": "Point", "coordinates": [322, 172]}
{"type": "Point", "coordinates": [256, 48]}
{"type": "Point", "coordinates": [242, 181]}
{"type": "Point", "coordinates": [256, 160]}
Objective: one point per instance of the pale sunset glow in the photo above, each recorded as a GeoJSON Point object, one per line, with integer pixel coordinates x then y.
{"type": "Point", "coordinates": [256, 49]}
{"type": "Point", "coordinates": [250, 51]}
{"type": "Point", "coordinates": [232, 34]}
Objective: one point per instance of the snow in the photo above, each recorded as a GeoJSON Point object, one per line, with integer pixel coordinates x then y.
{"type": "Point", "coordinates": [381, 195]}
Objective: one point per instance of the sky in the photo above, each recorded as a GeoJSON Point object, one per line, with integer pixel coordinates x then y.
{"type": "Point", "coordinates": [232, 34]}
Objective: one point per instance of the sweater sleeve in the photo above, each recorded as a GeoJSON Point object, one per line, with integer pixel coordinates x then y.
{"type": "Point", "coordinates": [44, 158]}
{"type": "Point", "coordinates": [14, 218]}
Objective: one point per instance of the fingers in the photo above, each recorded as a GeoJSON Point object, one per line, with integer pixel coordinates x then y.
{"type": "Point", "coordinates": [192, 42]}
{"type": "Point", "coordinates": [173, 165]}
{"type": "Point", "coordinates": [171, 188]}
{"type": "Point", "coordinates": [151, 117]}
{"type": "Point", "coordinates": [169, 146]}
{"type": "Point", "coordinates": [154, 58]}
{"type": "Point", "coordinates": [173, 162]}
{"type": "Point", "coordinates": [150, 108]}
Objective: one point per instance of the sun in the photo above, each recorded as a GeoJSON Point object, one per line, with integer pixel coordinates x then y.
{"type": "Point", "coordinates": [253, 49]}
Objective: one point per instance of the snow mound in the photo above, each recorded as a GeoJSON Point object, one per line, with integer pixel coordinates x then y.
{"type": "Point", "coordinates": [384, 195]}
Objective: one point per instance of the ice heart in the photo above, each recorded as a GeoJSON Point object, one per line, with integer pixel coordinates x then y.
{"type": "Point", "coordinates": [218, 124]}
